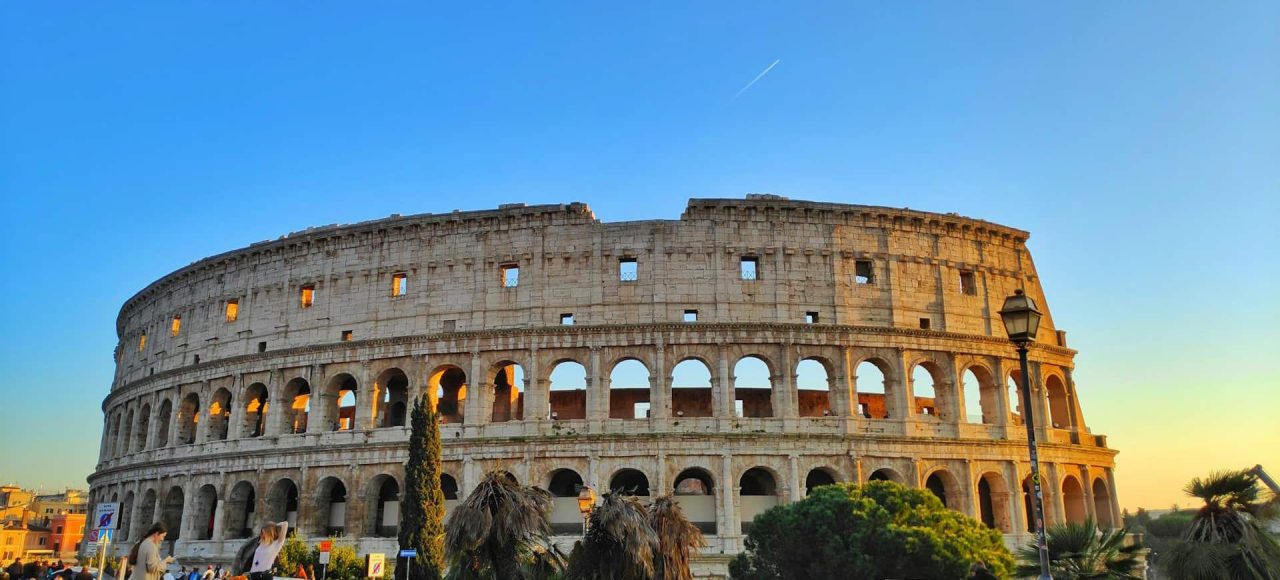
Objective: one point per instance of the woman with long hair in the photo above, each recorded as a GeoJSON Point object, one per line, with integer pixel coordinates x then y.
{"type": "Point", "coordinates": [270, 541]}
{"type": "Point", "coordinates": [145, 555]}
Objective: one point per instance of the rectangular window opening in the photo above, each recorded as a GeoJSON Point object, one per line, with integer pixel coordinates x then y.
{"type": "Point", "coordinates": [233, 310]}
{"type": "Point", "coordinates": [924, 323]}
{"type": "Point", "coordinates": [968, 283]}
{"type": "Point", "coordinates": [399, 284]}
{"type": "Point", "coordinates": [449, 325]}
{"type": "Point", "coordinates": [690, 315]}
{"type": "Point", "coordinates": [346, 336]}
{"type": "Point", "coordinates": [863, 272]}
{"type": "Point", "coordinates": [195, 360]}
{"type": "Point", "coordinates": [628, 269]}
{"type": "Point", "coordinates": [642, 410]}
{"type": "Point", "coordinates": [737, 408]}
{"type": "Point", "coordinates": [176, 326]}
{"type": "Point", "coordinates": [510, 275]}
{"type": "Point", "coordinates": [811, 318]}
{"type": "Point", "coordinates": [566, 319]}
{"type": "Point", "coordinates": [308, 295]}
{"type": "Point", "coordinates": [262, 346]}
{"type": "Point", "coordinates": [748, 268]}
{"type": "Point", "coordinates": [142, 342]}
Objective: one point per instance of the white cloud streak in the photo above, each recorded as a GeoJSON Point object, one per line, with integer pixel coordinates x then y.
{"type": "Point", "coordinates": [757, 79]}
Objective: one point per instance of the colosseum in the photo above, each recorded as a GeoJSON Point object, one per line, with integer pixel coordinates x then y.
{"type": "Point", "coordinates": [738, 357]}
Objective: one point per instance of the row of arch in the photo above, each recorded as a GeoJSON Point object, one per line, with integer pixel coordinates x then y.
{"type": "Point", "coordinates": [343, 404]}
{"type": "Point", "coordinates": [334, 508]}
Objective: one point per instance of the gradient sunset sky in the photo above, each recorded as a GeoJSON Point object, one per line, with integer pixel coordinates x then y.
{"type": "Point", "coordinates": [1138, 142]}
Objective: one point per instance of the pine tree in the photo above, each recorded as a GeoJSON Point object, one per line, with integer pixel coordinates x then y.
{"type": "Point", "coordinates": [422, 507]}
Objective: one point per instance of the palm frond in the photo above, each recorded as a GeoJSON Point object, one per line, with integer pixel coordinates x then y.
{"type": "Point", "coordinates": [677, 539]}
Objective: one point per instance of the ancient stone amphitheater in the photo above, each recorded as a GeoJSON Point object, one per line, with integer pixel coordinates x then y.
{"type": "Point", "coordinates": [738, 357]}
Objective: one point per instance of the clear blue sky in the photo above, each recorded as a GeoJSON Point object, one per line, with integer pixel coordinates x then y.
{"type": "Point", "coordinates": [1138, 142]}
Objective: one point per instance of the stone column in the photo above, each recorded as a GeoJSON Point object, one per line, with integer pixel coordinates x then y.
{"type": "Point", "coordinates": [1116, 517]}
{"type": "Point", "coordinates": [1004, 407]}
{"type": "Point", "coordinates": [660, 476]}
{"type": "Point", "coordinates": [1018, 496]}
{"type": "Point", "coordinates": [219, 514]}
{"type": "Point", "coordinates": [366, 399]}
{"type": "Point", "coordinates": [278, 408]}
{"type": "Point", "coordinates": [970, 491]}
{"type": "Point", "coordinates": [478, 411]}
{"type": "Point", "coordinates": [1052, 491]}
{"type": "Point", "coordinates": [202, 415]}
{"type": "Point", "coordinates": [235, 427]}
{"type": "Point", "coordinates": [174, 413]}
{"type": "Point", "coordinates": [786, 401]}
{"type": "Point", "coordinates": [659, 387]}
{"type": "Point", "coordinates": [597, 390]}
{"type": "Point", "coordinates": [729, 492]}
{"type": "Point", "coordinates": [796, 490]}
{"type": "Point", "coordinates": [1087, 491]}
{"type": "Point", "coordinates": [842, 387]}
{"type": "Point", "coordinates": [899, 396]}
{"type": "Point", "coordinates": [722, 387]}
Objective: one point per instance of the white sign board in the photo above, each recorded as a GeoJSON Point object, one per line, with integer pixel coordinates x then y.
{"type": "Point", "coordinates": [106, 516]}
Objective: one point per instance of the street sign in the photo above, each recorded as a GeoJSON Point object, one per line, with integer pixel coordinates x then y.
{"type": "Point", "coordinates": [326, 545]}
{"type": "Point", "coordinates": [91, 549]}
{"type": "Point", "coordinates": [106, 516]}
{"type": "Point", "coordinates": [324, 558]}
{"type": "Point", "coordinates": [104, 537]}
{"type": "Point", "coordinates": [376, 565]}
{"type": "Point", "coordinates": [408, 553]}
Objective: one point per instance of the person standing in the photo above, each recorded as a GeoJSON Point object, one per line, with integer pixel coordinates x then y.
{"type": "Point", "coordinates": [270, 541]}
{"type": "Point", "coordinates": [145, 555]}
{"type": "Point", "coordinates": [15, 569]}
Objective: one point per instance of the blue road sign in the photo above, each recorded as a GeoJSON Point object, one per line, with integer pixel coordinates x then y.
{"type": "Point", "coordinates": [408, 553]}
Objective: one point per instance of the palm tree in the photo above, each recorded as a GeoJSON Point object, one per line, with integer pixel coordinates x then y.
{"type": "Point", "coordinates": [618, 545]}
{"type": "Point", "coordinates": [502, 531]}
{"type": "Point", "coordinates": [1079, 551]}
{"type": "Point", "coordinates": [1226, 539]}
{"type": "Point", "coordinates": [677, 538]}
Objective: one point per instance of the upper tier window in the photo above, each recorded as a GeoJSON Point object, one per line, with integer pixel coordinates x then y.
{"type": "Point", "coordinates": [308, 295]}
{"type": "Point", "coordinates": [749, 268]}
{"type": "Point", "coordinates": [510, 275]}
{"type": "Point", "coordinates": [968, 283]}
{"type": "Point", "coordinates": [399, 284]}
{"type": "Point", "coordinates": [863, 272]}
{"type": "Point", "coordinates": [176, 326]}
{"type": "Point", "coordinates": [233, 310]}
{"type": "Point", "coordinates": [628, 269]}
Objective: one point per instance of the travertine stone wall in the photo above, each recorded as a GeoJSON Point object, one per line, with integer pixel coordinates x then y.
{"type": "Point", "coordinates": [182, 435]}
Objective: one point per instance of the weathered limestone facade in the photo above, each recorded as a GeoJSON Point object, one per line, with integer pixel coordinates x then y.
{"type": "Point", "coordinates": [233, 403]}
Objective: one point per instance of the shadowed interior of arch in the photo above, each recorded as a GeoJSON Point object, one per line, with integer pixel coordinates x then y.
{"type": "Point", "coordinates": [691, 389]}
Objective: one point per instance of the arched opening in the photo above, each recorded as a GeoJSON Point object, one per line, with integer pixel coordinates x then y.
{"type": "Point", "coordinates": [564, 487]}
{"type": "Point", "coordinates": [140, 434]}
{"type": "Point", "coordinates": [340, 403]}
{"type": "Point", "coordinates": [188, 417]}
{"type": "Point", "coordinates": [887, 474]}
{"type": "Point", "coordinates": [979, 396]}
{"type": "Point", "coordinates": [241, 503]}
{"type": "Point", "coordinates": [1013, 384]}
{"type": "Point", "coordinates": [112, 436]}
{"type": "Point", "coordinates": [1059, 403]}
{"type": "Point", "coordinates": [872, 386]}
{"type": "Point", "coordinates": [206, 505]}
{"type": "Point", "coordinates": [331, 507]}
{"type": "Point", "coordinates": [813, 388]}
{"type": "Point", "coordinates": [126, 518]}
{"type": "Point", "coordinates": [1102, 504]}
{"type": "Point", "coordinates": [927, 404]}
{"type": "Point", "coordinates": [944, 486]}
{"type": "Point", "coordinates": [568, 391]}
{"type": "Point", "coordinates": [1073, 500]}
{"type": "Point", "coordinates": [630, 482]}
{"type": "Point", "coordinates": [752, 388]}
{"type": "Point", "coordinates": [219, 415]}
{"type": "Point", "coordinates": [171, 512]}
{"type": "Point", "coordinates": [449, 486]}
{"type": "Point", "coordinates": [993, 502]}
{"type": "Point", "coordinates": [147, 509]}
{"type": "Point", "coordinates": [163, 417]}
{"type": "Point", "coordinates": [695, 492]}
{"type": "Point", "coordinates": [508, 392]}
{"type": "Point", "coordinates": [691, 389]}
{"type": "Point", "coordinates": [127, 436]}
{"type": "Point", "coordinates": [297, 397]}
{"type": "Point", "coordinates": [629, 395]}
{"type": "Point", "coordinates": [282, 502]}
{"type": "Point", "coordinates": [757, 492]}
{"type": "Point", "coordinates": [384, 518]}
{"type": "Point", "coordinates": [391, 391]}
{"type": "Point", "coordinates": [1028, 492]}
{"type": "Point", "coordinates": [449, 383]}
{"type": "Point", "coordinates": [255, 411]}
{"type": "Point", "coordinates": [817, 478]}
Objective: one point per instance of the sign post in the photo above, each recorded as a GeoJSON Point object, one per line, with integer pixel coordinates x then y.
{"type": "Point", "coordinates": [325, 547]}
{"type": "Point", "coordinates": [376, 565]}
{"type": "Point", "coordinates": [408, 556]}
{"type": "Point", "coordinates": [104, 540]}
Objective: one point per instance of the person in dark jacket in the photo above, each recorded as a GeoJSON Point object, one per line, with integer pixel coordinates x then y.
{"type": "Point", "coordinates": [30, 570]}
{"type": "Point", "coordinates": [15, 569]}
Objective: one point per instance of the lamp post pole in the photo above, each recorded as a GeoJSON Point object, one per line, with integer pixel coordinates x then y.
{"type": "Point", "coordinates": [1037, 500]}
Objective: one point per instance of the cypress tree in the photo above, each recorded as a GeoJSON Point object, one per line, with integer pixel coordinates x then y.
{"type": "Point", "coordinates": [422, 507]}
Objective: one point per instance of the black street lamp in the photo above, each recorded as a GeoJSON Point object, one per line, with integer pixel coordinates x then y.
{"type": "Point", "coordinates": [1021, 320]}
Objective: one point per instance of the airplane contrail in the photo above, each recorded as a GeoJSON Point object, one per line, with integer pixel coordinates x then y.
{"type": "Point", "coordinates": [757, 79]}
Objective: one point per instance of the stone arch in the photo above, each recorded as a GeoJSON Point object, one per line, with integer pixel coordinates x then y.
{"type": "Point", "coordinates": [390, 398]}
{"type": "Point", "coordinates": [753, 386]}
{"type": "Point", "coordinates": [694, 490]}
{"type": "Point", "coordinates": [1073, 500]}
{"type": "Point", "coordinates": [127, 436]}
{"type": "Point", "coordinates": [567, 390]}
{"type": "Point", "coordinates": [448, 384]}
{"type": "Point", "coordinates": [887, 474]}
{"type": "Point", "coordinates": [126, 517]}
{"type": "Point", "coordinates": [140, 434]}
{"type": "Point", "coordinates": [1059, 403]}
{"type": "Point", "coordinates": [818, 477]}
{"type": "Point", "coordinates": [814, 391]}
{"type": "Point", "coordinates": [219, 415]}
{"type": "Point", "coordinates": [507, 378]}
{"type": "Point", "coordinates": [929, 390]}
{"type": "Point", "coordinates": [382, 496]}
{"type": "Point", "coordinates": [164, 414]}
{"type": "Point", "coordinates": [113, 435]}
{"type": "Point", "coordinates": [941, 483]}
{"type": "Point", "coordinates": [297, 406]}
{"type": "Point", "coordinates": [449, 486]}
{"type": "Point", "coordinates": [629, 481]}
{"type": "Point", "coordinates": [874, 384]}
{"type": "Point", "coordinates": [330, 516]}
{"type": "Point", "coordinates": [757, 492]}
{"type": "Point", "coordinates": [691, 388]}
{"type": "Point", "coordinates": [980, 393]}
{"type": "Point", "coordinates": [188, 418]}
{"type": "Point", "coordinates": [993, 502]}
{"type": "Point", "coordinates": [1102, 503]}
{"type": "Point", "coordinates": [1028, 493]}
{"type": "Point", "coordinates": [171, 512]}
{"type": "Point", "coordinates": [629, 394]}
{"type": "Point", "coordinates": [282, 502]}
{"type": "Point", "coordinates": [254, 423]}
{"type": "Point", "coordinates": [147, 509]}
{"type": "Point", "coordinates": [340, 400]}
{"type": "Point", "coordinates": [240, 507]}
{"type": "Point", "coordinates": [564, 483]}
{"type": "Point", "coordinates": [204, 506]}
